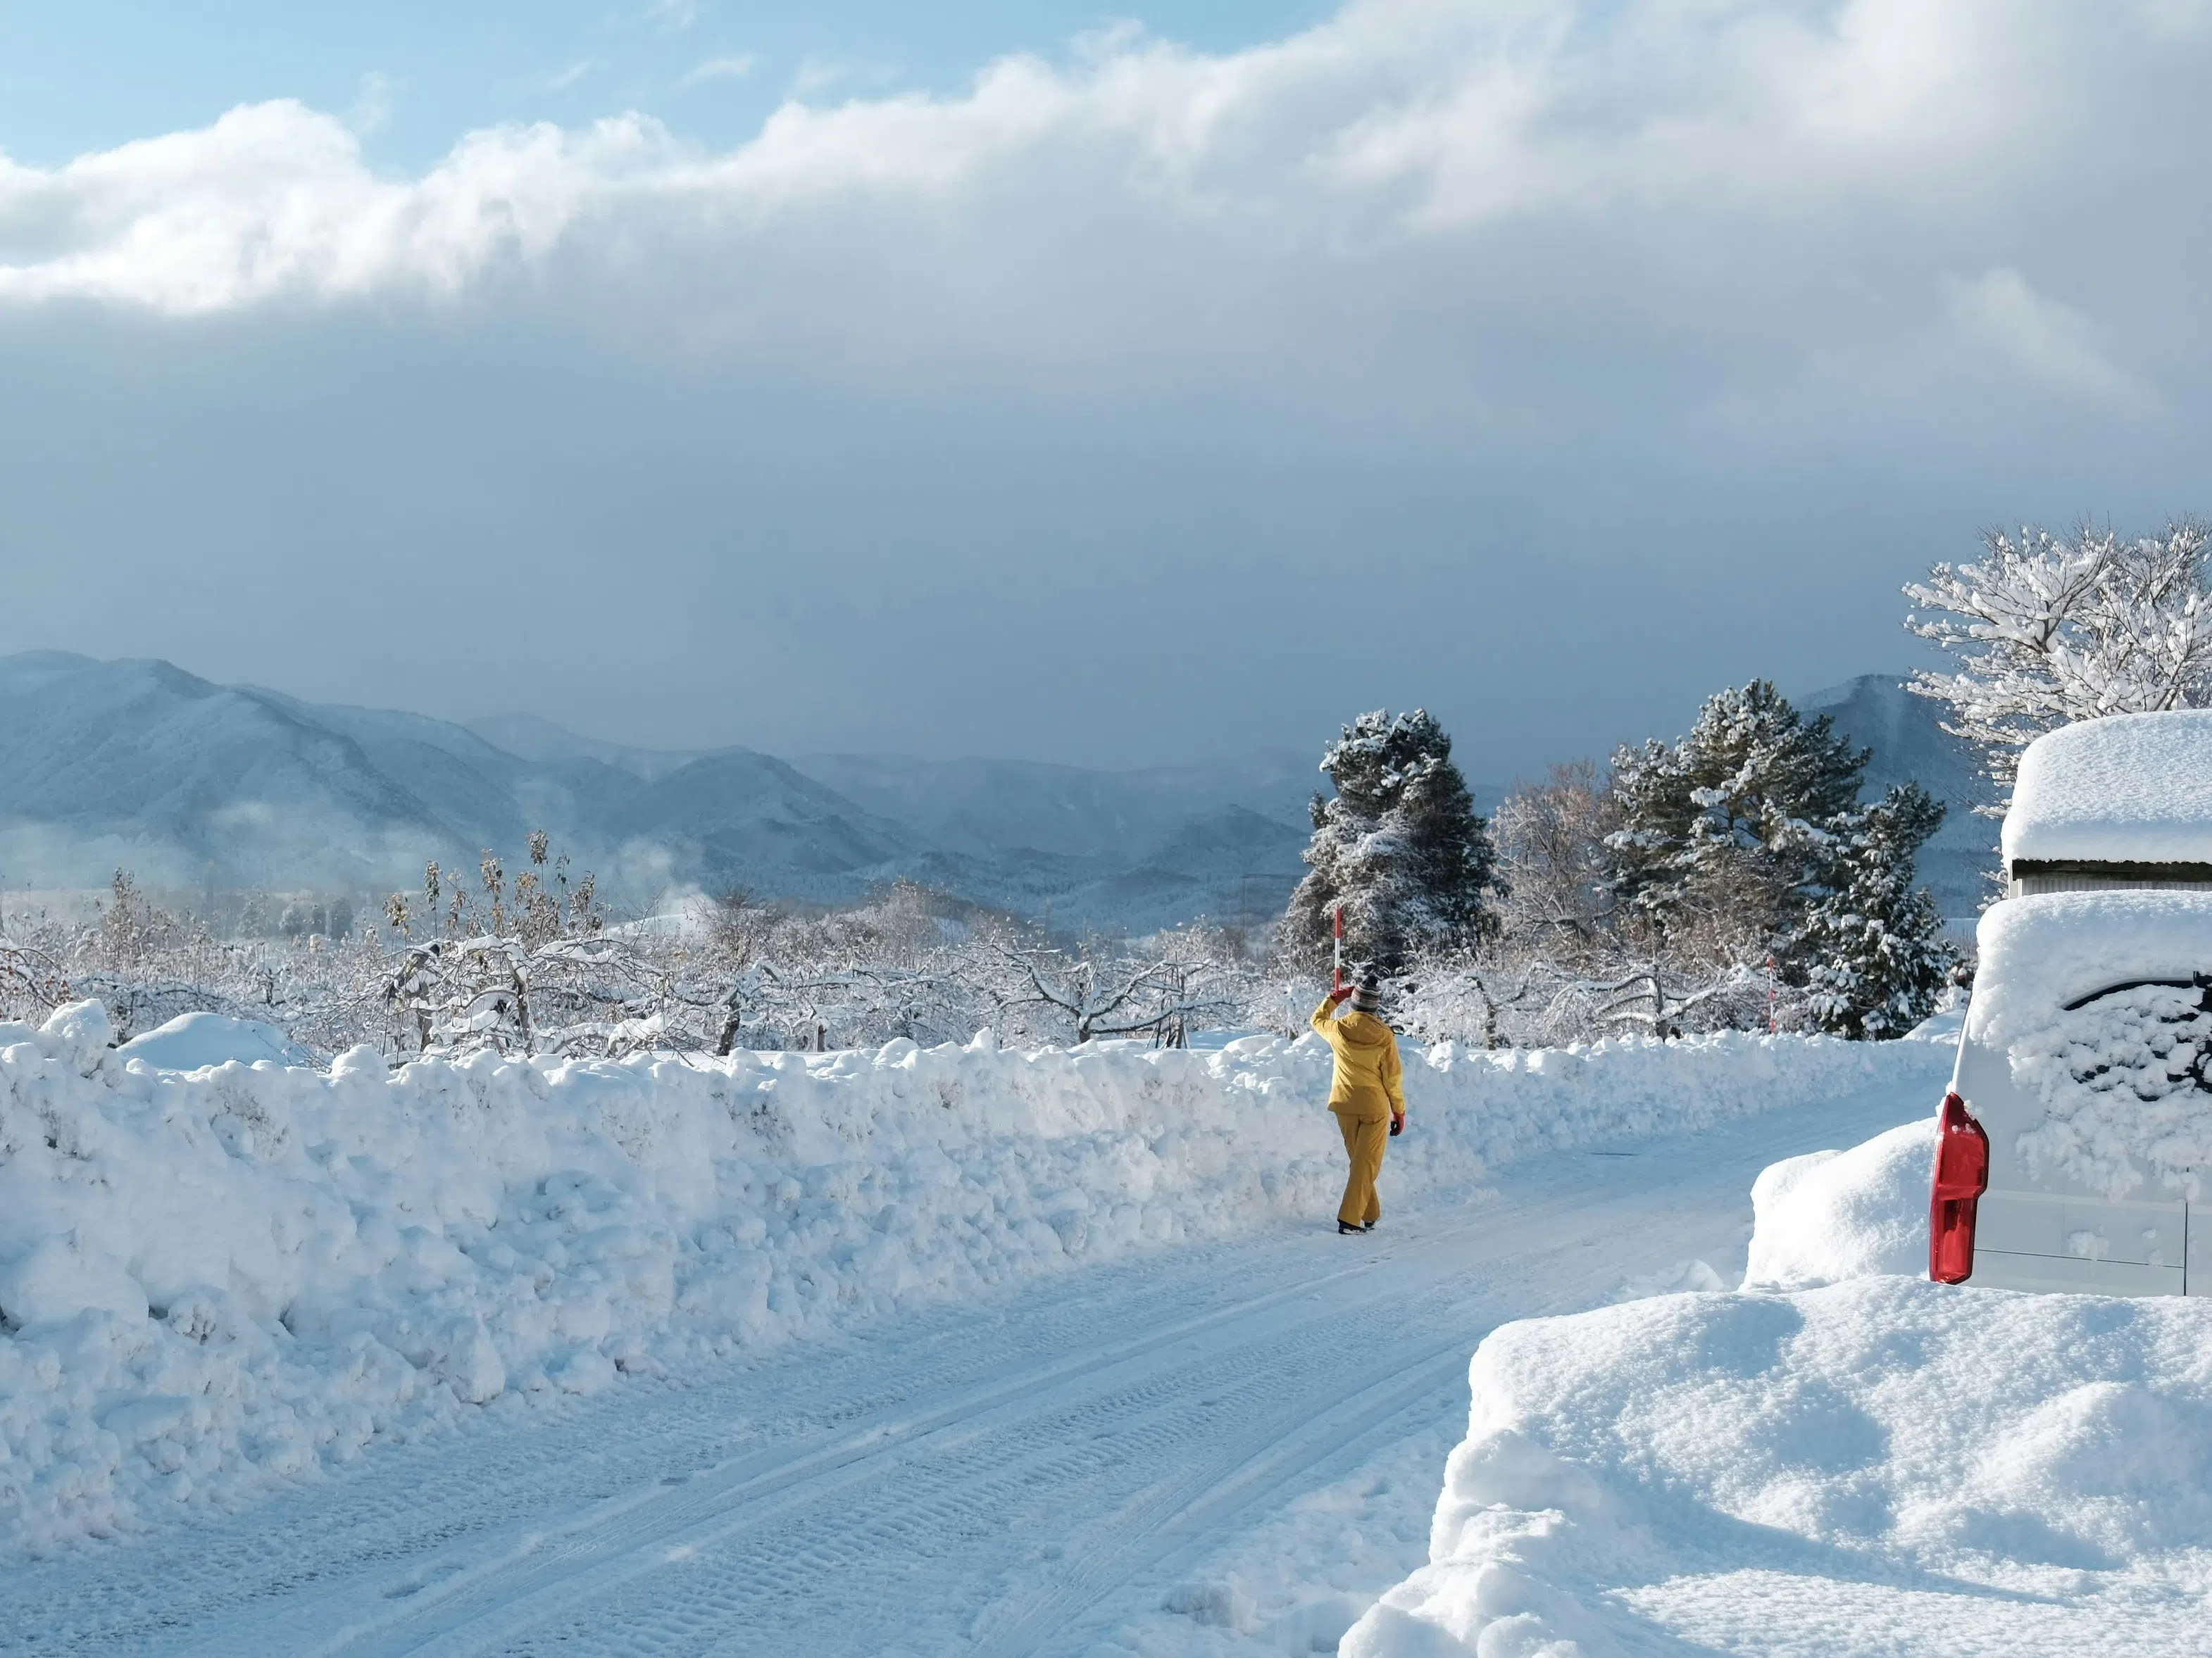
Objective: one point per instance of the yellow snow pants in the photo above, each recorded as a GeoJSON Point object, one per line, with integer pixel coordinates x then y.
{"type": "Point", "coordinates": [1363, 1140]}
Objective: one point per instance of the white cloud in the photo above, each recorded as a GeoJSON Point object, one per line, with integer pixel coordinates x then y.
{"type": "Point", "coordinates": [816, 76]}
{"type": "Point", "coordinates": [275, 199]}
{"type": "Point", "coordinates": [1480, 181]}
{"type": "Point", "coordinates": [674, 16]}
{"type": "Point", "coordinates": [1397, 113]}
{"type": "Point", "coordinates": [372, 105]}
{"type": "Point", "coordinates": [561, 80]}
{"type": "Point", "coordinates": [2039, 338]}
{"type": "Point", "coordinates": [733, 67]}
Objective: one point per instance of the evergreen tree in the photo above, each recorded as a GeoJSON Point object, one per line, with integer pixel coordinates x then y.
{"type": "Point", "coordinates": [1735, 814]}
{"type": "Point", "coordinates": [1878, 956]}
{"type": "Point", "coordinates": [1400, 845]}
{"type": "Point", "coordinates": [1752, 822]}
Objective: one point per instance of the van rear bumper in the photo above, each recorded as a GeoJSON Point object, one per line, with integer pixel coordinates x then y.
{"type": "Point", "coordinates": [2000, 1269]}
{"type": "Point", "coordinates": [2085, 1246]}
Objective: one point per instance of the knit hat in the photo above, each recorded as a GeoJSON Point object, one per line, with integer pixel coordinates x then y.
{"type": "Point", "coordinates": [1367, 994]}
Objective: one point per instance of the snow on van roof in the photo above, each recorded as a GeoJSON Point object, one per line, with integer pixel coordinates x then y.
{"type": "Point", "coordinates": [2038, 954]}
{"type": "Point", "coordinates": [2131, 787]}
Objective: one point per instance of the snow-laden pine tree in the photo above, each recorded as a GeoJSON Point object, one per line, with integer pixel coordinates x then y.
{"type": "Point", "coordinates": [1878, 957]}
{"type": "Point", "coordinates": [1748, 832]}
{"type": "Point", "coordinates": [2045, 630]}
{"type": "Point", "coordinates": [1400, 845]}
{"type": "Point", "coordinates": [1732, 817]}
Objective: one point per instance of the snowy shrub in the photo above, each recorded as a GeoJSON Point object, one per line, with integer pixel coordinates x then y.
{"type": "Point", "coordinates": [1744, 842]}
{"type": "Point", "coordinates": [1735, 819]}
{"type": "Point", "coordinates": [1875, 957]}
{"type": "Point", "coordinates": [537, 967]}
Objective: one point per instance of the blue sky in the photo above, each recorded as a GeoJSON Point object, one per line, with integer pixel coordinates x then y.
{"type": "Point", "coordinates": [91, 73]}
{"type": "Point", "coordinates": [1180, 387]}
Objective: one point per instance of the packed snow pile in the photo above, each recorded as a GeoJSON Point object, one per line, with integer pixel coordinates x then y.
{"type": "Point", "coordinates": [213, 1276]}
{"type": "Point", "coordinates": [1885, 1465]}
{"type": "Point", "coordinates": [1836, 1215]}
{"type": "Point", "coordinates": [193, 1040]}
{"type": "Point", "coordinates": [1943, 1025]}
{"type": "Point", "coordinates": [2131, 788]}
{"type": "Point", "coordinates": [1876, 1465]}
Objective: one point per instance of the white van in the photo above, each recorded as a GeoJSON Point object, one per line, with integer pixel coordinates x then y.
{"type": "Point", "coordinates": [2075, 1144]}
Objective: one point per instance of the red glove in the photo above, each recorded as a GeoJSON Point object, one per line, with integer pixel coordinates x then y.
{"type": "Point", "coordinates": [1341, 993]}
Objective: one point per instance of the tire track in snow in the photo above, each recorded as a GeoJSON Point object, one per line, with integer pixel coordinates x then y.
{"type": "Point", "coordinates": [1117, 1404]}
{"type": "Point", "coordinates": [863, 1394]}
{"type": "Point", "coordinates": [1213, 1493]}
{"type": "Point", "coordinates": [762, 1548]}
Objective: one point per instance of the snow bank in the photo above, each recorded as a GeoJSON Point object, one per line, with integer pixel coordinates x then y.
{"type": "Point", "coordinates": [1836, 1215]}
{"type": "Point", "coordinates": [1944, 1025]}
{"type": "Point", "coordinates": [213, 1278]}
{"type": "Point", "coordinates": [2131, 787]}
{"type": "Point", "coordinates": [193, 1040]}
{"type": "Point", "coordinates": [1880, 1467]}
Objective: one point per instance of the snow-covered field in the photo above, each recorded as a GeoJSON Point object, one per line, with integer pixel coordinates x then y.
{"type": "Point", "coordinates": [216, 1279]}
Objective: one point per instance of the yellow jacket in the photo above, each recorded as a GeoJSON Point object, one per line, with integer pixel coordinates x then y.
{"type": "Point", "coordinates": [1366, 1086]}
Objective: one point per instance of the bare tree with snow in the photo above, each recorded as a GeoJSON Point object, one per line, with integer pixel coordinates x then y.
{"type": "Point", "coordinates": [2046, 629]}
{"type": "Point", "coordinates": [1552, 854]}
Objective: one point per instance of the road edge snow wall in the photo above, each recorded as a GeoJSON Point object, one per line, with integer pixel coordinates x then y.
{"type": "Point", "coordinates": [213, 1278]}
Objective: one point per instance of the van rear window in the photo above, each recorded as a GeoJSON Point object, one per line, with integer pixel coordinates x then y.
{"type": "Point", "coordinates": [2125, 1079]}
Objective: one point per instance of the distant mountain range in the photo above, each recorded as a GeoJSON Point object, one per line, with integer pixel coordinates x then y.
{"type": "Point", "coordinates": [1905, 734]}
{"type": "Point", "coordinates": [189, 784]}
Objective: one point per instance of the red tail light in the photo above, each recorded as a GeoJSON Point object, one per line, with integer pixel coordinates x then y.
{"type": "Point", "coordinates": [1962, 1173]}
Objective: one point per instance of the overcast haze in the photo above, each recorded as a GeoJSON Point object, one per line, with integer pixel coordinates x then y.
{"type": "Point", "coordinates": [1003, 381]}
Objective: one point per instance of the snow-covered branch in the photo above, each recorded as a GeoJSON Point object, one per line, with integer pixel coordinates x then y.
{"type": "Point", "coordinates": [2045, 629]}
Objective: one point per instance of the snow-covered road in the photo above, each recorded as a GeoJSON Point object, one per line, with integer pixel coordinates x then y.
{"type": "Point", "coordinates": [1168, 1454]}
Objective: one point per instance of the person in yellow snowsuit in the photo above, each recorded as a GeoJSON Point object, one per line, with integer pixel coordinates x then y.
{"type": "Point", "coordinates": [1366, 1094]}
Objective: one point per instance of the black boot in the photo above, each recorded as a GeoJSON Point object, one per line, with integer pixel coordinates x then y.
{"type": "Point", "coordinates": [1367, 1226]}
{"type": "Point", "coordinates": [1343, 1227]}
